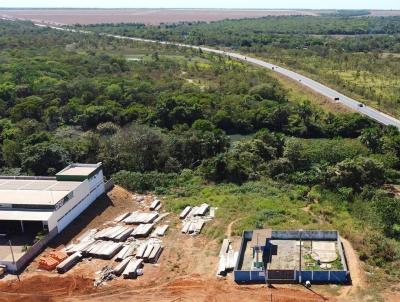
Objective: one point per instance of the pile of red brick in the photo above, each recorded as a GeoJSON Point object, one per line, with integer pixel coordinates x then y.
{"type": "Point", "coordinates": [49, 262]}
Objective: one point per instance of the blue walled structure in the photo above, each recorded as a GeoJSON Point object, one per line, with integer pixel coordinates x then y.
{"type": "Point", "coordinates": [291, 276]}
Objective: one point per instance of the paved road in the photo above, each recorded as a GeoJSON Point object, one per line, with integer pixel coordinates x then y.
{"type": "Point", "coordinates": [317, 87]}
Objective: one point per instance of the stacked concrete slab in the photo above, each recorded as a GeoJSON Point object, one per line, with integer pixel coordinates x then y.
{"type": "Point", "coordinates": [116, 233]}
{"type": "Point", "coordinates": [150, 250]}
{"type": "Point", "coordinates": [227, 258]}
{"type": "Point", "coordinates": [141, 217]}
{"type": "Point", "coordinates": [102, 249]}
{"type": "Point", "coordinates": [156, 204]}
{"type": "Point", "coordinates": [161, 230]}
{"type": "Point", "coordinates": [120, 267]}
{"type": "Point", "coordinates": [194, 219]}
{"type": "Point", "coordinates": [68, 263]}
{"type": "Point", "coordinates": [143, 230]}
{"type": "Point", "coordinates": [130, 271]}
{"type": "Point", "coordinates": [185, 212]}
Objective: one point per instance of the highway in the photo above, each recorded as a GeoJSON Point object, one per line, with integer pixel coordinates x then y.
{"type": "Point", "coordinates": [330, 93]}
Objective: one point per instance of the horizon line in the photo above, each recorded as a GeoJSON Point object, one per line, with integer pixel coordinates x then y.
{"type": "Point", "coordinates": [196, 8]}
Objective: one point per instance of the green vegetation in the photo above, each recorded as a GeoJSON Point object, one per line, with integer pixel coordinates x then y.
{"type": "Point", "coordinates": [357, 55]}
{"type": "Point", "coordinates": [196, 128]}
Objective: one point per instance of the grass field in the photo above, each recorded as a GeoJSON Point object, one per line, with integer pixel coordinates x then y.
{"type": "Point", "coordinates": [373, 79]}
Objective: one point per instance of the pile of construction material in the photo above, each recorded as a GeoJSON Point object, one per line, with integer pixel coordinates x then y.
{"type": "Point", "coordinates": [227, 258]}
{"type": "Point", "coordinates": [121, 243]}
{"type": "Point", "coordinates": [49, 262]}
{"type": "Point", "coordinates": [102, 249]}
{"type": "Point", "coordinates": [150, 250]}
{"type": "Point", "coordinates": [194, 211]}
{"type": "Point", "coordinates": [132, 268]}
{"type": "Point", "coordinates": [68, 263]}
{"type": "Point", "coordinates": [161, 230]}
{"type": "Point", "coordinates": [143, 230]}
{"type": "Point", "coordinates": [193, 226]}
{"type": "Point", "coordinates": [116, 233]}
{"type": "Point", "coordinates": [155, 205]}
{"type": "Point", "coordinates": [128, 250]}
{"type": "Point", "coordinates": [124, 240]}
{"type": "Point", "coordinates": [140, 217]}
{"type": "Point", "coordinates": [194, 218]}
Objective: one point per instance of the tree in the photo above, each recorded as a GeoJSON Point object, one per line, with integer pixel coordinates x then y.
{"type": "Point", "coordinates": [30, 107]}
{"type": "Point", "coordinates": [356, 173]}
{"type": "Point", "coordinates": [10, 150]}
{"type": "Point", "coordinates": [44, 158]}
{"type": "Point", "coordinates": [372, 138]}
{"type": "Point", "coordinates": [114, 92]}
{"type": "Point", "coordinates": [137, 148]}
{"type": "Point", "coordinates": [269, 91]}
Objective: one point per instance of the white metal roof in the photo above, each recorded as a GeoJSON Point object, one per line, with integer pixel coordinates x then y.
{"type": "Point", "coordinates": [31, 197]}
{"type": "Point", "coordinates": [34, 192]}
{"type": "Point", "coordinates": [37, 185]}
{"type": "Point", "coordinates": [25, 215]}
{"type": "Point", "coordinates": [78, 170]}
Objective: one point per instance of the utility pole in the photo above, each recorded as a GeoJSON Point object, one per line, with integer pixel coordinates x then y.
{"type": "Point", "coordinates": [300, 233]}
{"type": "Point", "coordinates": [12, 254]}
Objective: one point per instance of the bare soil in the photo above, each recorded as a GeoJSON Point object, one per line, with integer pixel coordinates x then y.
{"type": "Point", "coordinates": [146, 16]}
{"type": "Point", "coordinates": [186, 270]}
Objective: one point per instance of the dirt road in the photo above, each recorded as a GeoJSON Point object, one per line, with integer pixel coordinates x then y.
{"type": "Point", "coordinates": [356, 271]}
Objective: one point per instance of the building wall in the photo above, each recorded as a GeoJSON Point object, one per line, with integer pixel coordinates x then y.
{"type": "Point", "coordinates": [249, 276]}
{"type": "Point", "coordinates": [305, 235]}
{"type": "Point", "coordinates": [83, 196]}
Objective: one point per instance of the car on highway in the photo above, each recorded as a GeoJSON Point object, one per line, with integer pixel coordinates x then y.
{"type": "Point", "coordinates": [336, 98]}
{"type": "Point", "coordinates": [361, 105]}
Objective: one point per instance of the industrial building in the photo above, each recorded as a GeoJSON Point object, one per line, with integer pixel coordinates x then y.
{"type": "Point", "coordinates": [33, 210]}
{"type": "Point", "coordinates": [268, 256]}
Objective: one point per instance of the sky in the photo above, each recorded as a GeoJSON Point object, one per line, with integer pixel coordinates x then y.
{"type": "Point", "coordinates": [313, 4]}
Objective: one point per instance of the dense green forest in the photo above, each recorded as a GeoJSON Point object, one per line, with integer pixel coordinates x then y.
{"type": "Point", "coordinates": [357, 55]}
{"type": "Point", "coordinates": [193, 126]}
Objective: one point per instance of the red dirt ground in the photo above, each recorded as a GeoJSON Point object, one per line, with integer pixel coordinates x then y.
{"type": "Point", "coordinates": [147, 16]}
{"type": "Point", "coordinates": [185, 272]}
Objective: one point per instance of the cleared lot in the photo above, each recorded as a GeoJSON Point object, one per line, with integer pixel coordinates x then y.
{"type": "Point", "coordinates": [147, 16]}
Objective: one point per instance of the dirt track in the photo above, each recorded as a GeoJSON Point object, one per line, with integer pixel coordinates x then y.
{"type": "Point", "coordinates": [356, 271]}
